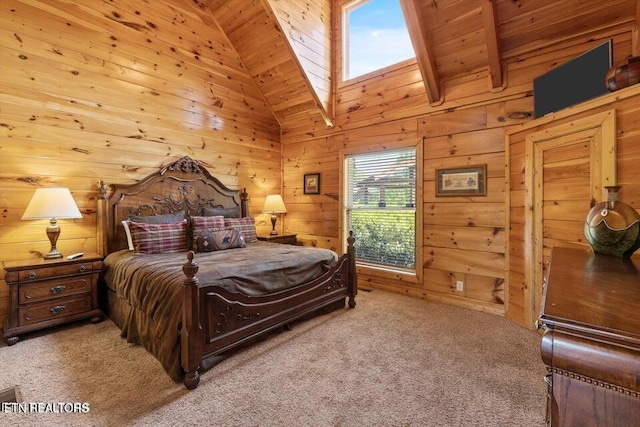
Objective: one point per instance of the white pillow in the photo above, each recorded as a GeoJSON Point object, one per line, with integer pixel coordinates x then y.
{"type": "Point", "coordinates": [125, 224]}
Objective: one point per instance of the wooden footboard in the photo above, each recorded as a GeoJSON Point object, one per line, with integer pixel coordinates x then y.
{"type": "Point", "coordinates": [215, 321]}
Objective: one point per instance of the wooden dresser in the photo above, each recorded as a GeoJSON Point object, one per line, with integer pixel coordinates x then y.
{"type": "Point", "coordinates": [44, 293]}
{"type": "Point", "coordinates": [591, 345]}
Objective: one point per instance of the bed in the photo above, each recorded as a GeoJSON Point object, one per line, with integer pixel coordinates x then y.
{"type": "Point", "coordinates": [189, 306]}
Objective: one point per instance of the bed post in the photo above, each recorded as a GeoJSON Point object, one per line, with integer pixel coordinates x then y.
{"type": "Point", "coordinates": [101, 219]}
{"type": "Point", "coordinates": [353, 278]}
{"type": "Point", "coordinates": [190, 341]}
{"type": "Point", "coordinates": [244, 203]}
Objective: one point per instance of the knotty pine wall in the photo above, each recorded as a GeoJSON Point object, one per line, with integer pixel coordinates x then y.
{"type": "Point", "coordinates": [568, 176]}
{"type": "Point", "coordinates": [463, 238]}
{"type": "Point", "coordinates": [112, 91]}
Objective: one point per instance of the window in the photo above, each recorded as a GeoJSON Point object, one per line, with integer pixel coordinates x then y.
{"type": "Point", "coordinates": [375, 36]}
{"type": "Point", "coordinates": [380, 195]}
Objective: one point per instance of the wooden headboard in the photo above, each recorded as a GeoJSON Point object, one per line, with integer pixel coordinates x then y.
{"type": "Point", "coordinates": [184, 185]}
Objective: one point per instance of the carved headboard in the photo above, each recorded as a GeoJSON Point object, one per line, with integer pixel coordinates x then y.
{"type": "Point", "coordinates": [184, 185]}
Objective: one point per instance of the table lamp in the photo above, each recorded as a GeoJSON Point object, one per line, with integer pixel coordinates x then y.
{"type": "Point", "coordinates": [274, 204]}
{"type": "Point", "coordinates": [52, 203]}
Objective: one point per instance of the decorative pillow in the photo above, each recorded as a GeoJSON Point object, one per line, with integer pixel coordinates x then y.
{"type": "Point", "coordinates": [125, 224]}
{"type": "Point", "coordinates": [207, 222]}
{"type": "Point", "coordinates": [159, 219]}
{"type": "Point", "coordinates": [158, 238]}
{"type": "Point", "coordinates": [225, 212]}
{"type": "Point", "coordinates": [203, 224]}
{"type": "Point", "coordinates": [246, 225]}
{"type": "Point", "coordinates": [219, 240]}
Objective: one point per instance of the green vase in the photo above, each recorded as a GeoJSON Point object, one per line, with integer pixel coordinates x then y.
{"type": "Point", "coordinates": [613, 227]}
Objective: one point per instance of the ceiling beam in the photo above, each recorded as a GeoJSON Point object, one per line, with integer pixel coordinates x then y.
{"type": "Point", "coordinates": [493, 45]}
{"type": "Point", "coordinates": [421, 47]}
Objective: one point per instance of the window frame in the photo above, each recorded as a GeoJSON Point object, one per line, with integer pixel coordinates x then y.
{"type": "Point", "coordinates": [341, 49]}
{"type": "Point", "coordinates": [403, 274]}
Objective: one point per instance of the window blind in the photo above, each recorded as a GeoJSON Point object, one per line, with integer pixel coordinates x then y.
{"type": "Point", "coordinates": [381, 206]}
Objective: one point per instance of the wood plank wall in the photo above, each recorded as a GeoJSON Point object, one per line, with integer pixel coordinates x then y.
{"type": "Point", "coordinates": [463, 238]}
{"type": "Point", "coordinates": [112, 91]}
{"type": "Point", "coordinates": [567, 218]}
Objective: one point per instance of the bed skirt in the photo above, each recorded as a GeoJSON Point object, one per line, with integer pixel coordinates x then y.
{"type": "Point", "coordinates": [122, 313]}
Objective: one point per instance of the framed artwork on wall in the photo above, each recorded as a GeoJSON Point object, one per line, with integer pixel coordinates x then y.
{"type": "Point", "coordinates": [467, 181]}
{"type": "Point", "coordinates": [311, 183]}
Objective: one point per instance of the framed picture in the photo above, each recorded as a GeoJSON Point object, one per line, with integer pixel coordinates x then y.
{"type": "Point", "coordinates": [467, 181]}
{"type": "Point", "coordinates": [311, 183]}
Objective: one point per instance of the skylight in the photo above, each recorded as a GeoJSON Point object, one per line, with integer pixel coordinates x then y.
{"type": "Point", "coordinates": [375, 36]}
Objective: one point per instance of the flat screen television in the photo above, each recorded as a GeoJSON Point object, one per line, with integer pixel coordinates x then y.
{"type": "Point", "coordinates": [578, 80]}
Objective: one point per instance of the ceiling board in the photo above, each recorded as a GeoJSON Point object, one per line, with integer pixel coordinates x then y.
{"type": "Point", "coordinates": [285, 44]}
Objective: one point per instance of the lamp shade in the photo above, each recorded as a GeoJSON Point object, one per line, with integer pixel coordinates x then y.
{"type": "Point", "coordinates": [274, 204]}
{"type": "Point", "coordinates": [52, 202]}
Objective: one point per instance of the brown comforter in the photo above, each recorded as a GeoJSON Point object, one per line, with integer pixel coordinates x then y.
{"type": "Point", "coordinates": [146, 298]}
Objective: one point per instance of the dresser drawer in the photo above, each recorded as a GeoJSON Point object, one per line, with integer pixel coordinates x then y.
{"type": "Point", "coordinates": [53, 271]}
{"type": "Point", "coordinates": [55, 288]}
{"type": "Point", "coordinates": [62, 307]}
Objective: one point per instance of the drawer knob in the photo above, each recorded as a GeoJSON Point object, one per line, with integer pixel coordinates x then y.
{"type": "Point", "coordinates": [57, 289]}
{"type": "Point", "coordinates": [57, 309]}
{"type": "Point", "coordinates": [82, 268]}
{"type": "Point", "coordinates": [32, 275]}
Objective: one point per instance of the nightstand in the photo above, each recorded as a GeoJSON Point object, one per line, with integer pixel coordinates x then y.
{"type": "Point", "coordinates": [45, 293]}
{"type": "Point", "coordinates": [285, 239]}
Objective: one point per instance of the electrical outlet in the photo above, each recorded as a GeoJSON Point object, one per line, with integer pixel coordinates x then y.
{"type": "Point", "coordinates": [459, 286]}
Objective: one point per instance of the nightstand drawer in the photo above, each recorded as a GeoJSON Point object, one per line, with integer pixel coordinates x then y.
{"type": "Point", "coordinates": [54, 288]}
{"type": "Point", "coordinates": [47, 272]}
{"type": "Point", "coordinates": [62, 307]}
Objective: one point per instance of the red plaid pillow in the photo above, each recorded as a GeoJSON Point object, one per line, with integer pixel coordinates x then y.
{"type": "Point", "coordinates": [204, 224]}
{"type": "Point", "coordinates": [246, 225]}
{"type": "Point", "coordinates": [158, 238]}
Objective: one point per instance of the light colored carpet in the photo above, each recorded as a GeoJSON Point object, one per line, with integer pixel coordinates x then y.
{"type": "Point", "coordinates": [391, 361]}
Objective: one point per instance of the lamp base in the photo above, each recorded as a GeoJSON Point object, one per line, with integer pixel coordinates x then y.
{"type": "Point", "coordinates": [53, 232]}
{"type": "Point", "coordinates": [53, 254]}
{"type": "Point", "coordinates": [273, 226]}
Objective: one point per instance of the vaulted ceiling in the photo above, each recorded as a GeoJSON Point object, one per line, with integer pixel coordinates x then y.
{"type": "Point", "coordinates": [287, 45]}
{"type": "Point", "coordinates": [454, 37]}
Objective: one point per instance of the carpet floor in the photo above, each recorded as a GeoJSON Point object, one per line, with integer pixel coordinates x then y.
{"type": "Point", "coordinates": [392, 361]}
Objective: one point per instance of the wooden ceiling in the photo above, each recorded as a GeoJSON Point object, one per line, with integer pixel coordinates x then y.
{"type": "Point", "coordinates": [286, 45]}
{"type": "Point", "coordinates": [457, 37]}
